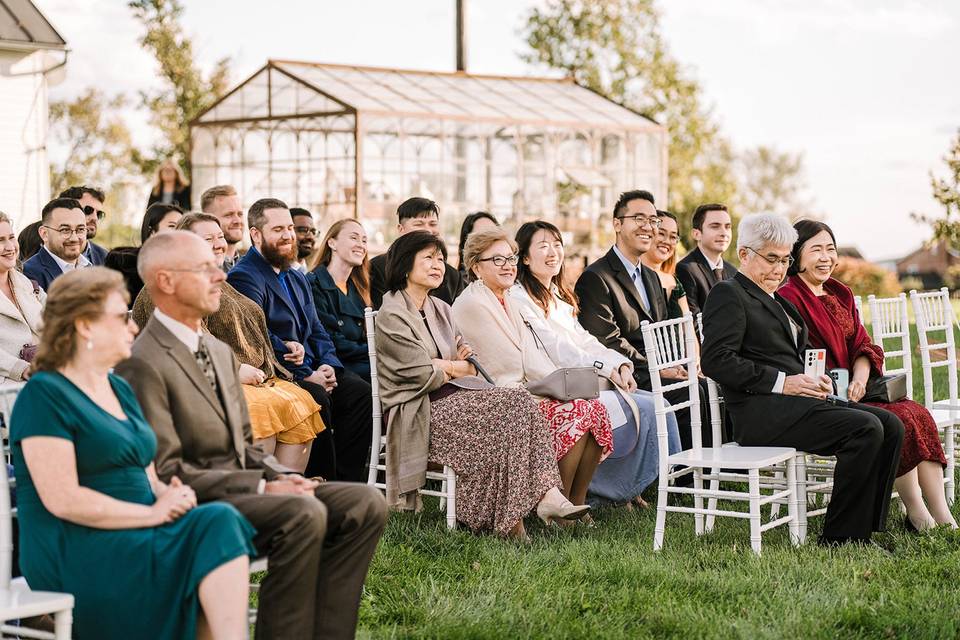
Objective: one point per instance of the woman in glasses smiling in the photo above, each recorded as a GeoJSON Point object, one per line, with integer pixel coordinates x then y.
{"type": "Point", "coordinates": [662, 258]}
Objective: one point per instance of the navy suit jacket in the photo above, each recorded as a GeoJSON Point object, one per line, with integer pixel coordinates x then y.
{"type": "Point", "coordinates": [287, 319]}
{"type": "Point", "coordinates": [42, 268]}
{"type": "Point", "coordinates": [95, 253]}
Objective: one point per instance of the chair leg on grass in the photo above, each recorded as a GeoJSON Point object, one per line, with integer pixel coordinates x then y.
{"type": "Point", "coordinates": [698, 501]}
{"type": "Point", "coordinates": [753, 477]}
{"type": "Point", "coordinates": [712, 502]}
{"type": "Point", "coordinates": [661, 516]}
{"type": "Point", "coordinates": [793, 503]}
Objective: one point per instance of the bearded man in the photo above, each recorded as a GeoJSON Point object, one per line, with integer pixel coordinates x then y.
{"type": "Point", "coordinates": [300, 342]}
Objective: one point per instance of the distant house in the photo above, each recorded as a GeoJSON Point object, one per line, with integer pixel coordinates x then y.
{"type": "Point", "coordinates": [850, 252]}
{"type": "Point", "coordinates": [929, 264]}
{"type": "Point", "coordinates": [32, 58]}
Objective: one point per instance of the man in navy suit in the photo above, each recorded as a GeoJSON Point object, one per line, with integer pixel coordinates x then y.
{"type": "Point", "coordinates": [63, 231]}
{"type": "Point", "coordinates": [91, 201]}
{"type": "Point", "coordinates": [265, 275]}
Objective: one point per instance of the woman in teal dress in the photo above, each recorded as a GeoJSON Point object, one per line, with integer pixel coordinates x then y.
{"type": "Point", "coordinates": [138, 555]}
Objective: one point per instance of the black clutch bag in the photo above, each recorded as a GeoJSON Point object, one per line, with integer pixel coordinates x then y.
{"type": "Point", "coordinates": [886, 389]}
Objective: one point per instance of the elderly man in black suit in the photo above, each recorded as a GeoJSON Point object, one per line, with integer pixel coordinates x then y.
{"type": "Point", "coordinates": [617, 293]}
{"type": "Point", "coordinates": [754, 342]}
{"type": "Point", "coordinates": [704, 267]}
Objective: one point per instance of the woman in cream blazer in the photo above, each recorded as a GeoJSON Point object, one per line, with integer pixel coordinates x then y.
{"type": "Point", "coordinates": [21, 304]}
{"type": "Point", "coordinates": [509, 351]}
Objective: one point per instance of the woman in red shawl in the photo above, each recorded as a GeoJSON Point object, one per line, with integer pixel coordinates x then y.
{"type": "Point", "coordinates": [827, 307]}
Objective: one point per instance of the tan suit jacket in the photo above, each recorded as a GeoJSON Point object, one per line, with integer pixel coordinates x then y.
{"type": "Point", "coordinates": [203, 441]}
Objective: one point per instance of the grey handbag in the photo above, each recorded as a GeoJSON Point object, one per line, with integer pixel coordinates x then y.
{"type": "Point", "coordinates": [572, 383]}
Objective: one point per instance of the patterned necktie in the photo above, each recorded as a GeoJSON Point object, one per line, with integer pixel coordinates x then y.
{"type": "Point", "coordinates": [206, 365]}
{"type": "Point", "coordinates": [718, 274]}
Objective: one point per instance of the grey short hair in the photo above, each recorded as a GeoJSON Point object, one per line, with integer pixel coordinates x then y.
{"type": "Point", "coordinates": [159, 252]}
{"type": "Point", "coordinates": [757, 230]}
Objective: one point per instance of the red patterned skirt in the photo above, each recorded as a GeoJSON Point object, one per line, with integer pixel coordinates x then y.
{"type": "Point", "coordinates": [570, 421]}
{"type": "Point", "coordinates": [920, 438]}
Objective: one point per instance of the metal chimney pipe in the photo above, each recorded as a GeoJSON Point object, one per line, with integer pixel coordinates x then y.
{"type": "Point", "coordinates": [461, 35]}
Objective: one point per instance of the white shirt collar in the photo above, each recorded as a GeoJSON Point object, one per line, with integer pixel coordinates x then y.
{"type": "Point", "coordinates": [82, 261]}
{"type": "Point", "coordinates": [632, 268]}
{"type": "Point", "coordinates": [717, 265]}
{"type": "Point", "coordinates": [183, 333]}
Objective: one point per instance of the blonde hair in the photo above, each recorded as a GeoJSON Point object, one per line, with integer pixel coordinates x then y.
{"type": "Point", "coordinates": [78, 294]}
{"type": "Point", "coordinates": [480, 241]}
{"type": "Point", "coordinates": [359, 275]}
{"type": "Point", "coordinates": [211, 194]}
{"type": "Point", "coordinates": [178, 183]}
{"type": "Point", "coordinates": [5, 218]}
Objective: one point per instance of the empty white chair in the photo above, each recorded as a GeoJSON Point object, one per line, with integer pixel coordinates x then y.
{"type": "Point", "coordinates": [378, 456]}
{"type": "Point", "coordinates": [889, 321]}
{"type": "Point", "coordinates": [673, 343]}
{"type": "Point", "coordinates": [858, 303]}
{"type": "Point", "coordinates": [16, 600]}
{"type": "Point", "coordinates": [935, 322]}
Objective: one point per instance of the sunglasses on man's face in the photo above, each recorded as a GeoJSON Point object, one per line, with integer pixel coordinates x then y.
{"type": "Point", "coordinates": [89, 211]}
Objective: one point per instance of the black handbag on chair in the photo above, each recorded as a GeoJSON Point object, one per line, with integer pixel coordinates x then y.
{"type": "Point", "coordinates": [886, 389]}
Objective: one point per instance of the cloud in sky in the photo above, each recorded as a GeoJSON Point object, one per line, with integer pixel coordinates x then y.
{"type": "Point", "coordinates": [861, 87]}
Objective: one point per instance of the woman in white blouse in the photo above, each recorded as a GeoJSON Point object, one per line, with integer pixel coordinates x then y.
{"type": "Point", "coordinates": [21, 303]}
{"type": "Point", "coordinates": [549, 305]}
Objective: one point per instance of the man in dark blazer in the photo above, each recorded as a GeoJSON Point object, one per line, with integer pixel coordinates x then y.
{"type": "Point", "coordinates": [62, 231]}
{"type": "Point", "coordinates": [754, 344]}
{"type": "Point", "coordinates": [91, 202]}
{"type": "Point", "coordinates": [301, 343]}
{"type": "Point", "coordinates": [318, 537]}
{"type": "Point", "coordinates": [415, 214]}
{"type": "Point", "coordinates": [704, 267]}
{"type": "Point", "coordinates": [618, 292]}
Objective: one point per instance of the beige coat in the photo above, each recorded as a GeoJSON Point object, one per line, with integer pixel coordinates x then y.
{"type": "Point", "coordinates": [500, 338]}
{"type": "Point", "coordinates": [18, 329]}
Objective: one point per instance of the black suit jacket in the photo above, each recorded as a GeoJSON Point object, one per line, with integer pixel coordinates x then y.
{"type": "Point", "coordinates": [747, 342]}
{"type": "Point", "coordinates": [448, 290]}
{"type": "Point", "coordinates": [611, 309]}
{"type": "Point", "coordinates": [696, 276]}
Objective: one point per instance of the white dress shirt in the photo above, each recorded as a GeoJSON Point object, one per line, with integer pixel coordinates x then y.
{"type": "Point", "coordinates": [636, 274]}
{"type": "Point", "coordinates": [65, 266]}
{"type": "Point", "coordinates": [183, 333]}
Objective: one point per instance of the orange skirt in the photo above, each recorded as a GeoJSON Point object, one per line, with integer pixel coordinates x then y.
{"type": "Point", "coordinates": [282, 409]}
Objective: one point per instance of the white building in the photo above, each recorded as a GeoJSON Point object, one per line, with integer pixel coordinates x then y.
{"type": "Point", "coordinates": [32, 58]}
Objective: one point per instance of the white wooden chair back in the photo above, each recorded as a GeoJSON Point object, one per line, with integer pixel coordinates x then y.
{"type": "Point", "coordinates": [888, 318]}
{"type": "Point", "coordinates": [858, 305]}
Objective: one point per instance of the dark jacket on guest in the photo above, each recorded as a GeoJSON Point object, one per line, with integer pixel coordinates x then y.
{"type": "Point", "coordinates": [342, 317]}
{"type": "Point", "coordinates": [42, 268]}
{"type": "Point", "coordinates": [292, 318]}
{"type": "Point", "coordinates": [124, 260]}
{"type": "Point", "coordinates": [448, 290]}
{"type": "Point", "coordinates": [181, 198]}
{"type": "Point", "coordinates": [697, 277]}
{"type": "Point", "coordinates": [95, 253]}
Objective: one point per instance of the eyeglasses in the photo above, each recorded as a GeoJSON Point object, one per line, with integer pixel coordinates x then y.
{"type": "Point", "coordinates": [207, 270]}
{"type": "Point", "coordinates": [784, 262]}
{"type": "Point", "coordinates": [306, 230]}
{"type": "Point", "coordinates": [88, 210]}
{"type": "Point", "coordinates": [124, 317]}
{"type": "Point", "coordinates": [67, 232]}
{"type": "Point", "coordinates": [644, 221]}
{"type": "Point", "coordinates": [502, 260]}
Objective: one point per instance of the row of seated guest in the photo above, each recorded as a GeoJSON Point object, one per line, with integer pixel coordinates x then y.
{"type": "Point", "coordinates": [438, 411]}
{"type": "Point", "coordinates": [284, 418]}
{"type": "Point", "coordinates": [21, 306]}
{"type": "Point", "coordinates": [157, 219]}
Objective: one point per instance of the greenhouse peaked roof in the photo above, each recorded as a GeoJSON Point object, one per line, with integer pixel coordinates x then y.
{"type": "Point", "coordinates": [285, 89]}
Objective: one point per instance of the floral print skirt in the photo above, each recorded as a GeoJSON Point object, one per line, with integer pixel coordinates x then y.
{"type": "Point", "coordinates": [570, 421]}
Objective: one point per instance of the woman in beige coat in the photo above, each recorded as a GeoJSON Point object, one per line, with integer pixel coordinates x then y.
{"type": "Point", "coordinates": [510, 350]}
{"type": "Point", "coordinates": [21, 303]}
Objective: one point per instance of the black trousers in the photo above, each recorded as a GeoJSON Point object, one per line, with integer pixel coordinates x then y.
{"type": "Point", "coordinates": [866, 442]}
{"type": "Point", "coordinates": [340, 452]}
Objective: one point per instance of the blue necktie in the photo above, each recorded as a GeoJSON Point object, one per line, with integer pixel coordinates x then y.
{"type": "Point", "coordinates": [282, 276]}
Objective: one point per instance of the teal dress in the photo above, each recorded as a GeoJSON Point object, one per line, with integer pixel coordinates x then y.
{"type": "Point", "coordinates": [128, 583]}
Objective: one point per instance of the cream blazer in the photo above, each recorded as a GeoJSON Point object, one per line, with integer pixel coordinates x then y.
{"type": "Point", "coordinates": [18, 329]}
{"type": "Point", "coordinates": [502, 342]}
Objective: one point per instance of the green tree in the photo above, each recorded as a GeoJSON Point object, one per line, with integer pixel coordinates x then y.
{"type": "Point", "coordinates": [946, 191]}
{"type": "Point", "coordinates": [772, 181]}
{"type": "Point", "coordinates": [185, 91]}
{"type": "Point", "coordinates": [615, 48]}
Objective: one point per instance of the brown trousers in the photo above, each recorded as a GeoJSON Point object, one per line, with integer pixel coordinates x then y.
{"type": "Point", "coordinates": [319, 550]}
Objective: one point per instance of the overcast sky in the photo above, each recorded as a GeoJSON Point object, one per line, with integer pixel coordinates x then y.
{"type": "Point", "coordinates": [865, 89]}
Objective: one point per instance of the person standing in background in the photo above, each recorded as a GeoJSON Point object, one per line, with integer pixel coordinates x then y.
{"type": "Point", "coordinates": [170, 186]}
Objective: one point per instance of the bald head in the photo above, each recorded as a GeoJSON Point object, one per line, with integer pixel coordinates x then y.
{"type": "Point", "coordinates": [181, 275]}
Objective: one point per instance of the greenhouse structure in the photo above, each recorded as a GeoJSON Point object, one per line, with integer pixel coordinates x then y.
{"type": "Point", "coordinates": [356, 141]}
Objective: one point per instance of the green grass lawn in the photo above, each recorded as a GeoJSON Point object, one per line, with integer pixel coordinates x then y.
{"type": "Point", "coordinates": [606, 582]}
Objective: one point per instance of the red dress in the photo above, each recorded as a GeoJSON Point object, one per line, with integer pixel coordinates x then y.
{"type": "Point", "coordinates": [570, 421]}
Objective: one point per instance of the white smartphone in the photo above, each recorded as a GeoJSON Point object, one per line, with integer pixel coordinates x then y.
{"type": "Point", "coordinates": [815, 363]}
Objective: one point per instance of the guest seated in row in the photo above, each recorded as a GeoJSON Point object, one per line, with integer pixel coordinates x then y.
{"type": "Point", "coordinates": [545, 301]}
{"type": "Point", "coordinates": [702, 268]}
{"type": "Point", "coordinates": [158, 218]}
{"type": "Point", "coordinates": [284, 418]}
{"type": "Point", "coordinates": [754, 343]}
{"type": "Point", "coordinates": [477, 221]}
{"type": "Point", "coordinates": [827, 307]}
{"type": "Point", "coordinates": [416, 214]}
{"type": "Point", "coordinates": [439, 412]}
{"type": "Point", "coordinates": [20, 307]}
{"type": "Point", "coordinates": [662, 258]}
{"type": "Point", "coordinates": [318, 537]}
{"type": "Point", "coordinates": [491, 322]}
{"type": "Point", "coordinates": [341, 291]}
{"type": "Point", "coordinates": [96, 521]}
{"type": "Point", "coordinates": [300, 342]}
{"type": "Point", "coordinates": [91, 201]}
{"type": "Point", "coordinates": [29, 242]}
{"type": "Point", "coordinates": [62, 230]}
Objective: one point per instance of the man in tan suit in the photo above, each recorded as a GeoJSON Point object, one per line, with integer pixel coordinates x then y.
{"type": "Point", "coordinates": [318, 537]}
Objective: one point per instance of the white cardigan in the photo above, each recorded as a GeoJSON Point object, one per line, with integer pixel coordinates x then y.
{"type": "Point", "coordinates": [16, 329]}
{"type": "Point", "coordinates": [567, 343]}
